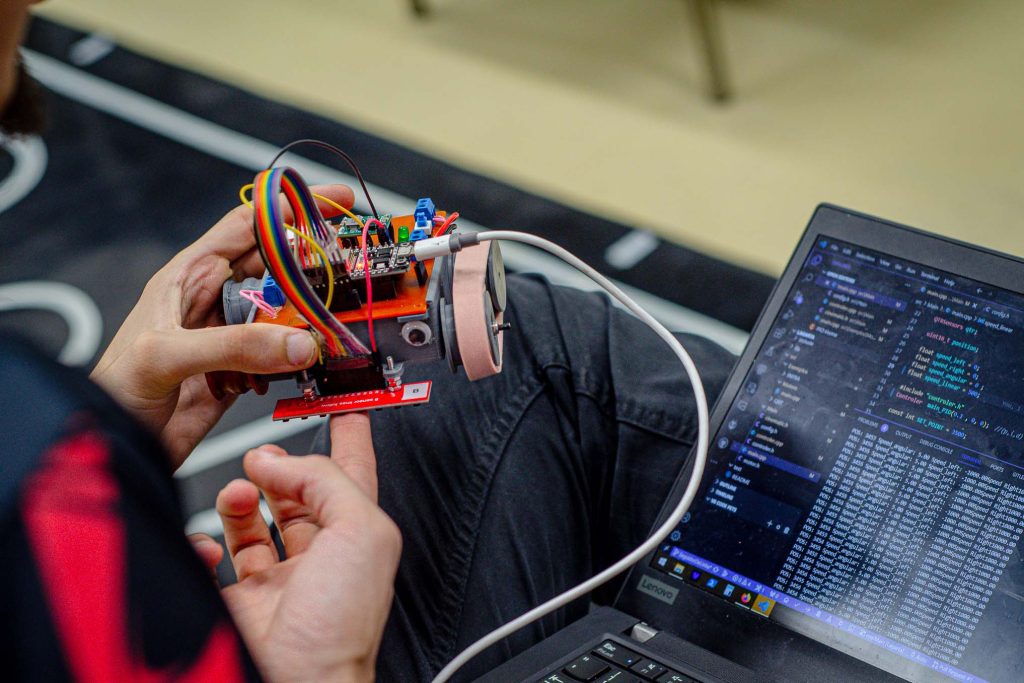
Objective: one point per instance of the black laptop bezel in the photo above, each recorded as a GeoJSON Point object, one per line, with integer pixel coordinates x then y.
{"type": "Point", "coordinates": [736, 633]}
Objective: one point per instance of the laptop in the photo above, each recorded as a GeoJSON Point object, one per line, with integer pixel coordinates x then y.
{"type": "Point", "coordinates": [861, 512]}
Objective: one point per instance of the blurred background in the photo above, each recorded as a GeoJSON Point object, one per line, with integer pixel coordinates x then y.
{"type": "Point", "coordinates": [678, 145]}
{"type": "Point", "coordinates": [910, 110]}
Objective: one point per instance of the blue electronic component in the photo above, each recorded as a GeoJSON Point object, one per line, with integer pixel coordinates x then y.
{"type": "Point", "coordinates": [272, 293]}
{"type": "Point", "coordinates": [424, 213]}
{"type": "Point", "coordinates": [419, 234]}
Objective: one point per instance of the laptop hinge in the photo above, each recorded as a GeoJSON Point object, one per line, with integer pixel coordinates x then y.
{"type": "Point", "coordinates": [641, 633]}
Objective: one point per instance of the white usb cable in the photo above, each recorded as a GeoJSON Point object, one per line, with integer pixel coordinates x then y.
{"type": "Point", "coordinates": [439, 246]}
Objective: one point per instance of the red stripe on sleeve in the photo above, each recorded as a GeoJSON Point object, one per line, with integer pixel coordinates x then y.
{"type": "Point", "coordinates": [70, 508]}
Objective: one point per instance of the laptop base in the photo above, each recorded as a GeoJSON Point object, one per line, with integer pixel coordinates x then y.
{"type": "Point", "coordinates": [626, 660]}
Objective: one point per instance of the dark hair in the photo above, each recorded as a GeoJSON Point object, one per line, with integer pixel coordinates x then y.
{"type": "Point", "coordinates": [25, 113]}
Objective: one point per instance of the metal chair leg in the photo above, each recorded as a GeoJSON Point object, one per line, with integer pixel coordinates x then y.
{"type": "Point", "coordinates": [706, 27]}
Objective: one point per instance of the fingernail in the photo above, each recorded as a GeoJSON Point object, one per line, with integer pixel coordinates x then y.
{"type": "Point", "coordinates": [300, 348]}
{"type": "Point", "coordinates": [263, 453]}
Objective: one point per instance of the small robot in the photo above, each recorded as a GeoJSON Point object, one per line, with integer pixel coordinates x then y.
{"type": "Point", "coordinates": [356, 283]}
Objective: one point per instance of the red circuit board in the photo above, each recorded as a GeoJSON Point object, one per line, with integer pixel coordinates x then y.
{"type": "Point", "coordinates": [416, 393]}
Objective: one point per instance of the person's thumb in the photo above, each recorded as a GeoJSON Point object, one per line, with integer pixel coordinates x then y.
{"type": "Point", "coordinates": [256, 348]}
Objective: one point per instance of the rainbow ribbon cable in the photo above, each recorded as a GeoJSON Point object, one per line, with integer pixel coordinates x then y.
{"type": "Point", "coordinates": [286, 261]}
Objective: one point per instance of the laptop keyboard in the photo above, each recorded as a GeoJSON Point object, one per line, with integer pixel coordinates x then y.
{"type": "Point", "coordinates": [612, 663]}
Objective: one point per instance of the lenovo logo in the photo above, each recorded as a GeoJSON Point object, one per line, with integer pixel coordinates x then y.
{"type": "Point", "coordinates": [657, 589]}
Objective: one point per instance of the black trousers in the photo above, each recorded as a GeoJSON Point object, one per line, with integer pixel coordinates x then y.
{"type": "Point", "coordinates": [514, 488]}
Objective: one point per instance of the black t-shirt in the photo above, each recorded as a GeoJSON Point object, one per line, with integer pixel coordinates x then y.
{"type": "Point", "coordinates": [98, 580]}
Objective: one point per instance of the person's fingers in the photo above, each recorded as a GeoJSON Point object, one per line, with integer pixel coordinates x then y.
{"type": "Point", "coordinates": [249, 264]}
{"type": "Point", "coordinates": [352, 450]}
{"type": "Point", "coordinates": [339, 194]}
{"type": "Point", "coordinates": [232, 236]}
{"type": "Point", "coordinates": [245, 531]}
{"type": "Point", "coordinates": [208, 550]}
{"type": "Point", "coordinates": [259, 348]}
{"type": "Point", "coordinates": [312, 481]}
{"type": "Point", "coordinates": [295, 522]}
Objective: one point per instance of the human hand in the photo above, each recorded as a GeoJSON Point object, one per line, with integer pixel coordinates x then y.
{"type": "Point", "coordinates": [155, 365]}
{"type": "Point", "coordinates": [320, 613]}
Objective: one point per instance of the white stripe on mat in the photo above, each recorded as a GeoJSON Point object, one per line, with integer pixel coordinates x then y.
{"type": "Point", "coordinates": [224, 447]}
{"type": "Point", "coordinates": [30, 160]}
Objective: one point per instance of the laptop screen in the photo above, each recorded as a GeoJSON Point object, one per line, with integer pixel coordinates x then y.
{"type": "Point", "coordinates": [867, 482]}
